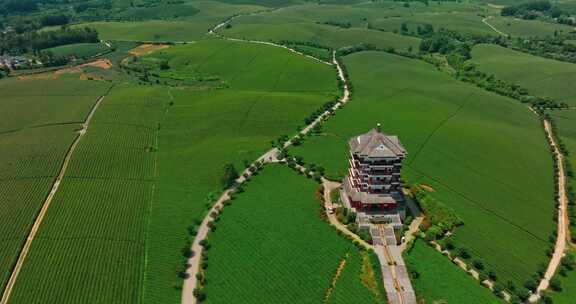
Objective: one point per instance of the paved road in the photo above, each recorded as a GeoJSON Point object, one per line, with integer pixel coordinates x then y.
{"type": "Point", "coordinates": [394, 273]}
{"type": "Point", "coordinates": [46, 204]}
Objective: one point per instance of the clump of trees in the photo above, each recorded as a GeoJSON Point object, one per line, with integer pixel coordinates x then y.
{"type": "Point", "coordinates": [532, 10]}
{"type": "Point", "coordinates": [341, 24]}
{"type": "Point", "coordinates": [441, 218]}
{"type": "Point", "coordinates": [35, 41]}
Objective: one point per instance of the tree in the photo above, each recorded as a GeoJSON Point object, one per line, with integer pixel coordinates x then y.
{"type": "Point", "coordinates": [404, 27]}
{"type": "Point", "coordinates": [556, 284]}
{"type": "Point", "coordinates": [230, 176]}
{"type": "Point", "coordinates": [531, 284]}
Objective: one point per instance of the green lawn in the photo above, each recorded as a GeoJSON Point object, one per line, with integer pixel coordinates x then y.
{"type": "Point", "coordinates": [485, 155]}
{"type": "Point", "coordinates": [440, 281]}
{"type": "Point", "coordinates": [540, 76]}
{"type": "Point", "coordinates": [271, 246]}
{"type": "Point", "coordinates": [38, 123]}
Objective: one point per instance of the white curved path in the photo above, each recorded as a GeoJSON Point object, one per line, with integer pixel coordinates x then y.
{"type": "Point", "coordinates": [563, 225]}
{"type": "Point", "coordinates": [190, 283]}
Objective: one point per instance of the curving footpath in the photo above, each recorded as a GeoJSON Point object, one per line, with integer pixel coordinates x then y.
{"type": "Point", "coordinates": [563, 224]}
{"type": "Point", "coordinates": [191, 282]}
{"type": "Point", "coordinates": [329, 186]}
{"type": "Point", "coordinates": [45, 205]}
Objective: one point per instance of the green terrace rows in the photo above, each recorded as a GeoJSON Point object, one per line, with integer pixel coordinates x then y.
{"type": "Point", "coordinates": [272, 235]}
{"type": "Point", "coordinates": [269, 92]}
{"type": "Point", "coordinates": [90, 246]}
{"type": "Point", "coordinates": [151, 158]}
{"type": "Point", "coordinates": [38, 123]}
{"type": "Point", "coordinates": [437, 280]}
{"type": "Point", "coordinates": [486, 156]}
{"type": "Point", "coordinates": [541, 77]}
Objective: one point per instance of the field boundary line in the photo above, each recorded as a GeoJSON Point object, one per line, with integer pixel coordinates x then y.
{"type": "Point", "coordinates": [144, 275]}
{"type": "Point", "coordinates": [48, 125]}
{"type": "Point", "coordinates": [485, 21]}
{"type": "Point", "coordinates": [55, 186]}
{"type": "Point", "coordinates": [439, 126]}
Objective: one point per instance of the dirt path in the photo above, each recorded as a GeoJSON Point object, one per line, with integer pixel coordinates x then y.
{"type": "Point", "coordinates": [485, 21]}
{"type": "Point", "coordinates": [563, 235]}
{"type": "Point", "coordinates": [46, 205]}
{"type": "Point", "coordinates": [412, 229]}
{"type": "Point", "coordinates": [191, 282]}
{"type": "Point", "coordinates": [328, 187]}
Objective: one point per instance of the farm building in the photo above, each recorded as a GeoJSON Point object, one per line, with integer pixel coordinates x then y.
{"type": "Point", "coordinates": [372, 187]}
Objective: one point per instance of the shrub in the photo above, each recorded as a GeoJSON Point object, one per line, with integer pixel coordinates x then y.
{"type": "Point", "coordinates": [555, 284]}
{"type": "Point", "coordinates": [531, 284]}
{"type": "Point", "coordinates": [463, 253]}
{"type": "Point", "coordinates": [478, 264]}
{"type": "Point", "coordinates": [200, 294]}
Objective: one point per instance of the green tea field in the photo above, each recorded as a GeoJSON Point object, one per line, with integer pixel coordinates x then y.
{"type": "Point", "coordinates": [540, 76]}
{"type": "Point", "coordinates": [38, 124]}
{"type": "Point", "coordinates": [266, 97]}
{"type": "Point", "coordinates": [455, 285]}
{"type": "Point", "coordinates": [187, 28]}
{"type": "Point", "coordinates": [456, 136]}
{"type": "Point", "coordinates": [527, 28]}
{"type": "Point", "coordinates": [80, 50]}
{"type": "Point", "coordinates": [133, 170]}
{"type": "Point", "coordinates": [125, 126]}
{"type": "Point", "coordinates": [267, 234]}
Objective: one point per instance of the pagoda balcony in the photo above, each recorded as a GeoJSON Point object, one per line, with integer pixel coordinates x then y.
{"type": "Point", "coordinates": [380, 173]}
{"type": "Point", "coordinates": [381, 167]}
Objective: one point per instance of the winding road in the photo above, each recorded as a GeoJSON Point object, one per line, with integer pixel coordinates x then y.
{"type": "Point", "coordinates": [563, 224]}
{"type": "Point", "coordinates": [46, 205]}
{"type": "Point", "coordinates": [191, 282]}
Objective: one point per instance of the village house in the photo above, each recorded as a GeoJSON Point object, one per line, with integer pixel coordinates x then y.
{"type": "Point", "coordinates": [372, 187]}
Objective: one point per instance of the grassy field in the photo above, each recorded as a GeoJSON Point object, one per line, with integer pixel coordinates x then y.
{"type": "Point", "coordinates": [266, 236]}
{"type": "Point", "coordinates": [440, 281]}
{"type": "Point", "coordinates": [462, 141]}
{"type": "Point", "coordinates": [542, 77]}
{"type": "Point", "coordinates": [38, 123]}
{"type": "Point", "coordinates": [79, 50]}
